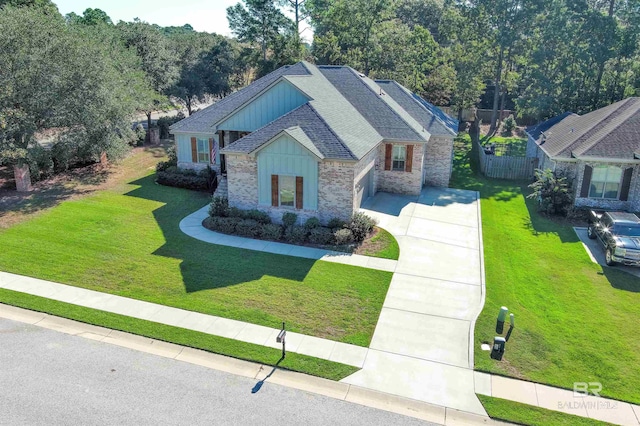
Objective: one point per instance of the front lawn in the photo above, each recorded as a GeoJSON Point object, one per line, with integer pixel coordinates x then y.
{"type": "Point", "coordinates": [208, 342]}
{"type": "Point", "coordinates": [126, 241]}
{"type": "Point", "coordinates": [575, 320]}
{"type": "Point", "coordinates": [380, 244]}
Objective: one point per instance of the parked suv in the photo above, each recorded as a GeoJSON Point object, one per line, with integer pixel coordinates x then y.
{"type": "Point", "coordinates": [619, 234]}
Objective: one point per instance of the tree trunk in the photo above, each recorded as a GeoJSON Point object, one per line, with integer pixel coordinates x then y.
{"type": "Point", "coordinates": [22, 177]}
{"type": "Point", "coordinates": [502, 101]}
{"type": "Point", "coordinates": [611, 6]}
{"type": "Point", "coordinates": [146, 138]}
{"type": "Point", "coordinates": [496, 92]}
{"type": "Point", "coordinates": [189, 104]}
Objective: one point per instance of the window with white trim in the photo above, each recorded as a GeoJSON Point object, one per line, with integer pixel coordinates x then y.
{"type": "Point", "coordinates": [287, 188]}
{"type": "Point", "coordinates": [399, 157]}
{"type": "Point", "coordinates": [203, 151]}
{"type": "Point", "coordinates": [605, 182]}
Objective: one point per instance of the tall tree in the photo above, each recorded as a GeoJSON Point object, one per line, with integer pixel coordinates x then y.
{"type": "Point", "coordinates": [159, 62]}
{"type": "Point", "coordinates": [348, 31]}
{"type": "Point", "coordinates": [258, 21]}
{"type": "Point", "coordinates": [80, 79]}
{"type": "Point", "coordinates": [205, 62]}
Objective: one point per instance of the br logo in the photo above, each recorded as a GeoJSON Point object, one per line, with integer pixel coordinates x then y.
{"type": "Point", "coordinates": [582, 389]}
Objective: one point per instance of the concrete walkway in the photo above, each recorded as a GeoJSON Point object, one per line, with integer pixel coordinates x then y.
{"type": "Point", "coordinates": [218, 326]}
{"type": "Point", "coordinates": [192, 226]}
{"type": "Point", "coordinates": [551, 398]}
{"type": "Point", "coordinates": [422, 347]}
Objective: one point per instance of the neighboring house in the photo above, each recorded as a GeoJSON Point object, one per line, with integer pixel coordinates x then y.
{"type": "Point", "coordinates": [318, 140]}
{"type": "Point", "coordinates": [599, 151]}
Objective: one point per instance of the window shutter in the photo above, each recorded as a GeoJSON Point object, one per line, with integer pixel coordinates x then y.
{"type": "Point", "coordinates": [299, 194]}
{"type": "Point", "coordinates": [586, 181]}
{"type": "Point", "coordinates": [409, 160]}
{"type": "Point", "coordinates": [388, 149]}
{"type": "Point", "coordinates": [626, 184]}
{"type": "Point", "coordinates": [274, 191]}
{"type": "Point", "coordinates": [211, 159]}
{"type": "Point", "coordinates": [194, 150]}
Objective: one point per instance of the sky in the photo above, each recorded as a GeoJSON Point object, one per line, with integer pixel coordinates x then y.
{"type": "Point", "coordinates": [202, 15]}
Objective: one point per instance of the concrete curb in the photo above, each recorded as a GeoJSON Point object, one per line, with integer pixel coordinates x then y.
{"type": "Point", "coordinates": [320, 386]}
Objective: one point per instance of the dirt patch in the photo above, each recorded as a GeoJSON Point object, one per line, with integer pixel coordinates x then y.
{"type": "Point", "coordinates": [16, 207]}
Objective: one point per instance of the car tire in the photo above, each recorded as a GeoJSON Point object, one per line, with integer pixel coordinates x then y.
{"type": "Point", "coordinates": [591, 233]}
{"type": "Point", "coordinates": [608, 257]}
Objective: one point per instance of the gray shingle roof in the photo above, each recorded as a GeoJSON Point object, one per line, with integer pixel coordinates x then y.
{"type": "Point", "coordinates": [429, 116]}
{"type": "Point", "coordinates": [347, 116]}
{"type": "Point", "coordinates": [307, 119]}
{"type": "Point", "coordinates": [536, 130]}
{"type": "Point", "coordinates": [367, 102]}
{"type": "Point", "coordinates": [609, 132]}
{"type": "Point", "coordinates": [205, 120]}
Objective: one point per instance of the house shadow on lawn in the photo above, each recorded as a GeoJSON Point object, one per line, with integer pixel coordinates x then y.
{"type": "Point", "coordinates": [540, 224]}
{"type": "Point", "coordinates": [204, 265]}
{"type": "Point", "coordinates": [621, 279]}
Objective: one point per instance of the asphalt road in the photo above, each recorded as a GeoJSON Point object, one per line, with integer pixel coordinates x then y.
{"type": "Point", "coordinates": [48, 377]}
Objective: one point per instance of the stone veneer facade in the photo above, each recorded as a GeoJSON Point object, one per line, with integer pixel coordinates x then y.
{"type": "Point", "coordinates": [438, 161]}
{"type": "Point", "coordinates": [335, 189]}
{"type": "Point", "coordinates": [400, 182]}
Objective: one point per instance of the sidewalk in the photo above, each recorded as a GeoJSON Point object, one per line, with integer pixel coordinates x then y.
{"type": "Point", "coordinates": [535, 394]}
{"type": "Point", "coordinates": [192, 226]}
{"type": "Point", "coordinates": [556, 399]}
{"type": "Point", "coordinates": [251, 333]}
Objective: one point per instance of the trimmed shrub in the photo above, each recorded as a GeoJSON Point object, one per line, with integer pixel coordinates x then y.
{"type": "Point", "coordinates": [171, 162]}
{"type": "Point", "coordinates": [271, 231]}
{"type": "Point", "coordinates": [219, 207]}
{"type": "Point", "coordinates": [295, 234]}
{"type": "Point", "coordinates": [236, 212]}
{"type": "Point", "coordinates": [361, 225]}
{"type": "Point", "coordinates": [248, 228]}
{"type": "Point", "coordinates": [312, 222]}
{"type": "Point", "coordinates": [343, 236]}
{"type": "Point", "coordinates": [289, 219]}
{"type": "Point", "coordinates": [188, 179]}
{"type": "Point", "coordinates": [226, 225]}
{"type": "Point", "coordinates": [321, 235]}
{"type": "Point", "coordinates": [259, 216]}
{"type": "Point", "coordinates": [336, 223]}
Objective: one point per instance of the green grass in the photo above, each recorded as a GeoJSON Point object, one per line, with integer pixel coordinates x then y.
{"type": "Point", "coordinates": [575, 320]}
{"type": "Point", "coordinates": [181, 336]}
{"type": "Point", "coordinates": [515, 412]}
{"type": "Point", "coordinates": [382, 245]}
{"type": "Point", "coordinates": [127, 242]}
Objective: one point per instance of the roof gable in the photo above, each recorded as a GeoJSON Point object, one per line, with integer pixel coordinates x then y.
{"type": "Point", "coordinates": [275, 100]}
{"type": "Point", "coordinates": [204, 121]}
{"type": "Point", "coordinates": [305, 118]}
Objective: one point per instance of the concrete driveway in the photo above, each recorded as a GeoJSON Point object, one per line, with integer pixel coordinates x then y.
{"type": "Point", "coordinates": [422, 347]}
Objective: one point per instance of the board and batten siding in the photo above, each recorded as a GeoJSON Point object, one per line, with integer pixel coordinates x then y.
{"type": "Point", "coordinates": [183, 146]}
{"type": "Point", "coordinates": [272, 104]}
{"type": "Point", "coordinates": [285, 156]}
